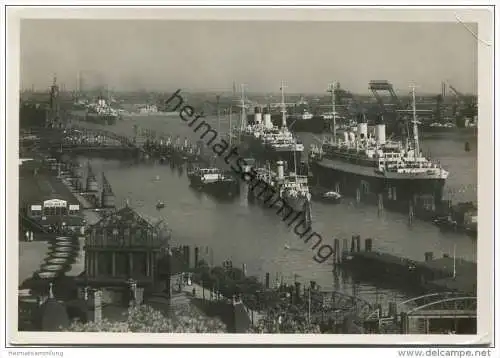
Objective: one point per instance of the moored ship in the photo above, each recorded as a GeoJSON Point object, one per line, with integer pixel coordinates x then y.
{"type": "Point", "coordinates": [213, 181]}
{"type": "Point", "coordinates": [267, 142]}
{"type": "Point", "coordinates": [373, 169]}
{"type": "Point", "coordinates": [101, 113]}
{"type": "Point", "coordinates": [292, 189]}
{"type": "Point", "coordinates": [307, 122]}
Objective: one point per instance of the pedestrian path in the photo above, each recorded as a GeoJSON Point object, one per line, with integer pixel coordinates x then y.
{"type": "Point", "coordinates": [206, 294]}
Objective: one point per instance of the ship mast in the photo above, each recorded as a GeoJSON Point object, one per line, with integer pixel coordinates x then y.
{"type": "Point", "coordinates": [334, 112]}
{"type": "Point", "coordinates": [231, 115]}
{"type": "Point", "coordinates": [415, 124]}
{"type": "Point", "coordinates": [230, 125]}
{"type": "Point", "coordinates": [243, 114]}
{"type": "Point", "coordinates": [218, 113]}
{"type": "Point", "coordinates": [283, 106]}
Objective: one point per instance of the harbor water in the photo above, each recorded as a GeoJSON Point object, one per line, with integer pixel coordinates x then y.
{"type": "Point", "coordinates": [252, 235]}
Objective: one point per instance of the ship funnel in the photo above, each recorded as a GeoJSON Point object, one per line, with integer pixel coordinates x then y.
{"type": "Point", "coordinates": [267, 120]}
{"type": "Point", "coordinates": [258, 118]}
{"type": "Point", "coordinates": [281, 170]}
{"type": "Point", "coordinates": [362, 130]}
{"type": "Point", "coordinates": [380, 133]}
{"type": "Point", "coordinates": [346, 137]}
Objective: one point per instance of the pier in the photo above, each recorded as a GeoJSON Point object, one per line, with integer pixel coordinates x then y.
{"type": "Point", "coordinates": [442, 274]}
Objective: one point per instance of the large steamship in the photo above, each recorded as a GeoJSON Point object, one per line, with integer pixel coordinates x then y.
{"type": "Point", "coordinates": [368, 166]}
{"type": "Point", "coordinates": [266, 142]}
{"type": "Point", "coordinates": [101, 112]}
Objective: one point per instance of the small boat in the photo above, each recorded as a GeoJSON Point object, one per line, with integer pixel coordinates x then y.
{"type": "Point", "coordinates": [160, 205]}
{"type": "Point", "coordinates": [446, 223]}
{"type": "Point", "coordinates": [288, 247]}
{"type": "Point", "coordinates": [157, 178]}
{"type": "Point", "coordinates": [331, 196]}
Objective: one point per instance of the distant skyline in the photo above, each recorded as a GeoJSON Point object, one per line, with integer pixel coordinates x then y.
{"type": "Point", "coordinates": [163, 55]}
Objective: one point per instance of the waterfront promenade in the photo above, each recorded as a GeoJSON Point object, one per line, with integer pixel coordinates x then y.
{"type": "Point", "coordinates": [205, 294]}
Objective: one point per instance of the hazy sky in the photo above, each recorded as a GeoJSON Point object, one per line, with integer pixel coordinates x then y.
{"type": "Point", "coordinates": [165, 55]}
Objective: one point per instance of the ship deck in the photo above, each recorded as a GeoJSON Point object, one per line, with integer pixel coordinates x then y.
{"type": "Point", "coordinates": [371, 171]}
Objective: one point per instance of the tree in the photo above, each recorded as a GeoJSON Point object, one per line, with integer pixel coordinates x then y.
{"type": "Point", "coordinates": [145, 319]}
{"type": "Point", "coordinates": [286, 318]}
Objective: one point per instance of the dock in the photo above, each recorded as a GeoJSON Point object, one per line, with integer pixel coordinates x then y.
{"type": "Point", "coordinates": [441, 274]}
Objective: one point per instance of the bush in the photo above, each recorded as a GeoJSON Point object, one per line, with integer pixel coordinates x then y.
{"type": "Point", "coordinates": [145, 319]}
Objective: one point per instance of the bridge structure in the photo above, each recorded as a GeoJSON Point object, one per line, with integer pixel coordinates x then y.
{"type": "Point", "coordinates": [430, 313]}
{"type": "Point", "coordinates": [142, 143]}
{"type": "Point", "coordinates": [80, 140]}
{"type": "Point", "coordinates": [332, 308]}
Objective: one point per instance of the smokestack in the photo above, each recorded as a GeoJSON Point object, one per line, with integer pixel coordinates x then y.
{"type": "Point", "coordinates": [267, 120]}
{"type": "Point", "coordinates": [257, 115]}
{"type": "Point", "coordinates": [281, 170]}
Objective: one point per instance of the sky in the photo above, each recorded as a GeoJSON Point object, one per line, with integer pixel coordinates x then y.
{"type": "Point", "coordinates": [209, 55]}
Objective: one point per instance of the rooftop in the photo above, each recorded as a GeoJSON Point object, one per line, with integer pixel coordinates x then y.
{"type": "Point", "coordinates": [128, 216]}
{"type": "Point", "coordinates": [126, 227]}
{"type": "Point", "coordinates": [34, 189]}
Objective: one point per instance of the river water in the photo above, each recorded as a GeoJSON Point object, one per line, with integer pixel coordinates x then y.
{"type": "Point", "coordinates": [254, 236]}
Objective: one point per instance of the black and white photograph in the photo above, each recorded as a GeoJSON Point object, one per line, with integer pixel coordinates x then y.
{"type": "Point", "coordinates": [266, 176]}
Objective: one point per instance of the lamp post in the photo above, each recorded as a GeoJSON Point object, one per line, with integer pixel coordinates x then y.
{"type": "Point", "coordinates": [132, 284]}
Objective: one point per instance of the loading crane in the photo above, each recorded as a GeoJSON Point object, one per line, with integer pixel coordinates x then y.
{"type": "Point", "coordinates": [464, 106]}
{"type": "Point", "coordinates": [377, 86]}
{"type": "Point", "coordinates": [389, 105]}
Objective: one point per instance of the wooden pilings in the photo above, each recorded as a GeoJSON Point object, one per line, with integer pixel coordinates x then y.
{"type": "Point", "coordinates": [411, 212]}
{"type": "Point", "coordinates": [380, 203]}
{"type": "Point", "coordinates": [339, 252]}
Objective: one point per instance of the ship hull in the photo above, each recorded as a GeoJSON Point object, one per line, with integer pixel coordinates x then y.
{"type": "Point", "coordinates": [398, 193]}
{"type": "Point", "coordinates": [219, 188]}
{"type": "Point", "coordinates": [273, 200]}
{"type": "Point", "coordinates": [101, 119]}
{"type": "Point", "coordinates": [264, 153]}
{"type": "Point", "coordinates": [313, 125]}
{"type": "Point", "coordinates": [297, 203]}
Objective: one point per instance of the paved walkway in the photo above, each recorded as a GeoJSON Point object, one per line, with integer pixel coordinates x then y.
{"type": "Point", "coordinates": [79, 266]}
{"type": "Point", "coordinates": [31, 255]}
{"type": "Point", "coordinates": [208, 294]}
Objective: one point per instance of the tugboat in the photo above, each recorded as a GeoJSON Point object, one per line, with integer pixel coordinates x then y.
{"type": "Point", "coordinates": [331, 197]}
{"type": "Point", "coordinates": [291, 190]}
{"type": "Point", "coordinates": [213, 181]}
{"type": "Point", "coordinates": [461, 217]}
{"type": "Point", "coordinates": [160, 205]}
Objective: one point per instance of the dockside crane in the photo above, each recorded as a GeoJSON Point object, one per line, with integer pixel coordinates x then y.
{"type": "Point", "coordinates": [438, 115]}
{"type": "Point", "coordinates": [389, 105]}
{"type": "Point", "coordinates": [464, 106]}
